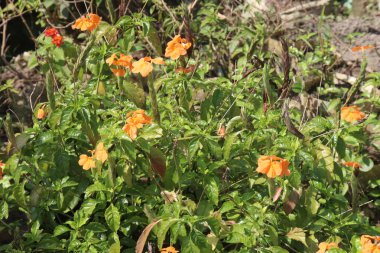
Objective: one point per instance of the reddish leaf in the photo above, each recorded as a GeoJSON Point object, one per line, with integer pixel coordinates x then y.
{"type": "Point", "coordinates": [292, 201]}
{"type": "Point", "coordinates": [157, 161]}
{"type": "Point", "coordinates": [277, 194]}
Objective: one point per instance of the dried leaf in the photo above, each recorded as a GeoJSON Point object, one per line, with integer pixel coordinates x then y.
{"type": "Point", "coordinates": [144, 235]}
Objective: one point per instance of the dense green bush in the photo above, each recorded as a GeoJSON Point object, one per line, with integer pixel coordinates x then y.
{"type": "Point", "coordinates": [189, 178]}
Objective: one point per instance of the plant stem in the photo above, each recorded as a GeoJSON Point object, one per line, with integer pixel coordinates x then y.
{"type": "Point", "coordinates": [271, 187]}
{"type": "Point", "coordinates": [153, 98]}
{"type": "Point", "coordinates": [354, 190]}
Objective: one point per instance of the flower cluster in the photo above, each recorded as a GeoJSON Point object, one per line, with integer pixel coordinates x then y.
{"type": "Point", "coordinates": [351, 113]}
{"type": "Point", "coordinates": [370, 244]}
{"type": "Point", "coordinates": [324, 246]}
{"type": "Point", "coordinates": [135, 121]}
{"type": "Point", "coordinates": [273, 166]}
{"type": "Point", "coordinates": [122, 62]}
{"type": "Point", "coordinates": [99, 154]}
{"type": "Point", "coordinates": [169, 249]}
{"type": "Point", "coordinates": [177, 47]}
{"type": "Point", "coordinates": [56, 38]}
{"type": "Point", "coordinates": [88, 23]}
{"type": "Point", "coordinates": [2, 165]}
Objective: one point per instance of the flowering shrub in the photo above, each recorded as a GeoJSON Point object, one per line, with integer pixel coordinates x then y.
{"type": "Point", "coordinates": [174, 155]}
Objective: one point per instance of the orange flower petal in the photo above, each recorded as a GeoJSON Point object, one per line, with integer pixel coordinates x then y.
{"type": "Point", "coordinates": [101, 153]}
{"type": "Point", "coordinates": [351, 113]}
{"type": "Point", "coordinates": [362, 48]}
{"type": "Point", "coordinates": [158, 60]}
{"type": "Point", "coordinates": [118, 72]}
{"type": "Point", "coordinates": [143, 67]}
{"type": "Point", "coordinates": [273, 166]}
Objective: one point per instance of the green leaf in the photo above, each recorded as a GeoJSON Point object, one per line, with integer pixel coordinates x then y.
{"type": "Point", "coordinates": [278, 249]}
{"type": "Point", "coordinates": [96, 227]}
{"type": "Point", "coordinates": [19, 195]}
{"type": "Point", "coordinates": [297, 234]}
{"type": "Point", "coordinates": [230, 140]}
{"type": "Point", "coordinates": [60, 229]}
{"type": "Point", "coordinates": [273, 235]}
{"type": "Point", "coordinates": [163, 229]}
{"type": "Point", "coordinates": [113, 218]}
{"type": "Point", "coordinates": [115, 248]}
{"type": "Point", "coordinates": [96, 187]}
{"type": "Point", "coordinates": [212, 189]}
{"type": "Point", "coordinates": [152, 132]}
{"type": "Point", "coordinates": [4, 212]}
{"type": "Point", "coordinates": [134, 93]}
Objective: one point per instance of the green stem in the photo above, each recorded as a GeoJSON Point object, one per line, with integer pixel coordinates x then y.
{"type": "Point", "coordinates": [50, 90]}
{"type": "Point", "coordinates": [9, 130]}
{"type": "Point", "coordinates": [271, 187]}
{"type": "Point", "coordinates": [153, 98]}
{"type": "Point", "coordinates": [354, 190]}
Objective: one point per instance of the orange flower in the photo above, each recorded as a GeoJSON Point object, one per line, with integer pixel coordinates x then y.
{"type": "Point", "coordinates": [351, 113]}
{"type": "Point", "coordinates": [2, 166]}
{"type": "Point", "coordinates": [354, 165]}
{"type": "Point", "coordinates": [131, 130]}
{"type": "Point", "coordinates": [370, 244]}
{"type": "Point", "coordinates": [177, 47]}
{"type": "Point", "coordinates": [88, 23]}
{"type": "Point", "coordinates": [143, 66]}
{"type": "Point", "coordinates": [136, 120]}
{"type": "Point", "coordinates": [323, 246]}
{"type": "Point", "coordinates": [111, 60]}
{"type": "Point", "coordinates": [101, 153]}
{"type": "Point", "coordinates": [87, 162]}
{"type": "Point", "coordinates": [361, 48]}
{"type": "Point", "coordinates": [125, 61]}
{"type": "Point", "coordinates": [273, 166]}
{"type": "Point", "coordinates": [41, 113]}
{"type": "Point", "coordinates": [51, 32]}
{"type": "Point", "coordinates": [57, 40]}
{"type": "Point", "coordinates": [118, 72]}
{"type": "Point", "coordinates": [139, 117]}
{"type": "Point", "coordinates": [170, 249]}
{"type": "Point", "coordinates": [95, 21]}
